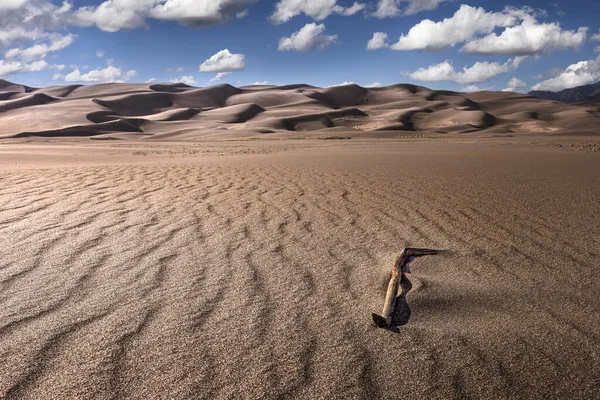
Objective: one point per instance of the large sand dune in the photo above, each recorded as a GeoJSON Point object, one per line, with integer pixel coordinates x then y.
{"type": "Point", "coordinates": [197, 271]}
{"type": "Point", "coordinates": [178, 111]}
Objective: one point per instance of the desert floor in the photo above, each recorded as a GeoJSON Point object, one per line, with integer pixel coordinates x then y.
{"type": "Point", "coordinates": [250, 269]}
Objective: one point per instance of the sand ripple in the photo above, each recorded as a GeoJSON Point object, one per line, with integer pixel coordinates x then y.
{"type": "Point", "coordinates": [256, 276]}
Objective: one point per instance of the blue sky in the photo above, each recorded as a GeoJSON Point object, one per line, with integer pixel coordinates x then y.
{"type": "Point", "coordinates": [443, 44]}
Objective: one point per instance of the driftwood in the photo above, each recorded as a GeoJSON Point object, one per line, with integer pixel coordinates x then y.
{"type": "Point", "coordinates": [400, 267]}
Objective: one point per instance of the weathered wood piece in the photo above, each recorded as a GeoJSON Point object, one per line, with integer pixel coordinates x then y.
{"type": "Point", "coordinates": [399, 268]}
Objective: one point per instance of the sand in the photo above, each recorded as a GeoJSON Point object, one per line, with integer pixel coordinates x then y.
{"type": "Point", "coordinates": [171, 242]}
{"type": "Point", "coordinates": [250, 269]}
{"type": "Point", "coordinates": [162, 112]}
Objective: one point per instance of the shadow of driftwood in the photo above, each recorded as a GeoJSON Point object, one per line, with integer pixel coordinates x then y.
{"type": "Point", "coordinates": [402, 311]}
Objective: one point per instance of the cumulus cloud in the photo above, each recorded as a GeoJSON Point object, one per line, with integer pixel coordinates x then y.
{"type": "Point", "coordinates": [261, 83]}
{"type": "Point", "coordinates": [151, 80]}
{"type": "Point", "coordinates": [316, 9]}
{"type": "Point", "coordinates": [200, 12]}
{"type": "Point", "coordinates": [114, 15]}
{"type": "Point", "coordinates": [343, 84]}
{"type": "Point", "coordinates": [522, 34]}
{"type": "Point", "coordinates": [27, 34]}
{"type": "Point", "coordinates": [477, 73]}
{"type": "Point", "coordinates": [596, 36]}
{"type": "Point", "coordinates": [528, 38]}
{"type": "Point", "coordinates": [538, 76]}
{"type": "Point", "coordinates": [223, 61]}
{"type": "Point", "coordinates": [9, 35]}
{"type": "Point", "coordinates": [373, 85]}
{"type": "Point", "coordinates": [474, 88]}
{"type": "Point", "coordinates": [393, 8]}
{"type": "Point", "coordinates": [30, 20]}
{"type": "Point", "coordinates": [513, 85]}
{"type": "Point", "coordinates": [187, 79]}
{"type": "Point", "coordinates": [378, 41]}
{"type": "Point", "coordinates": [580, 73]}
{"type": "Point", "coordinates": [463, 25]}
{"type": "Point", "coordinates": [40, 15]}
{"type": "Point", "coordinates": [106, 75]}
{"type": "Point", "coordinates": [308, 37]}
{"type": "Point", "coordinates": [41, 50]}
{"type": "Point", "coordinates": [219, 76]}
{"type": "Point", "coordinates": [12, 4]}
{"type": "Point", "coordinates": [15, 67]}
{"type": "Point", "coordinates": [99, 54]}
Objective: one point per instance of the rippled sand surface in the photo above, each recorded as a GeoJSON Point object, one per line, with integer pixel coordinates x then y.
{"type": "Point", "coordinates": [148, 272]}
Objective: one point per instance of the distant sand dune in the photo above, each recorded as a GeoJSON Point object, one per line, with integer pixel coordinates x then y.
{"type": "Point", "coordinates": [160, 109]}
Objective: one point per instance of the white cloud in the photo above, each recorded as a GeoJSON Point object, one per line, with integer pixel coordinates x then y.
{"type": "Point", "coordinates": [33, 14]}
{"type": "Point", "coordinates": [513, 85]}
{"type": "Point", "coordinates": [200, 12]}
{"type": "Point", "coordinates": [24, 21]}
{"type": "Point", "coordinates": [353, 9]}
{"type": "Point", "coordinates": [219, 76]}
{"type": "Point", "coordinates": [261, 83]}
{"type": "Point", "coordinates": [309, 36]}
{"type": "Point", "coordinates": [151, 80]}
{"type": "Point", "coordinates": [596, 36]}
{"type": "Point", "coordinates": [597, 49]}
{"type": "Point", "coordinates": [378, 41]}
{"type": "Point", "coordinates": [343, 84]}
{"type": "Point", "coordinates": [40, 51]}
{"type": "Point", "coordinates": [12, 4]}
{"type": "Point", "coordinates": [223, 61]}
{"type": "Point", "coordinates": [99, 54]}
{"type": "Point", "coordinates": [478, 72]}
{"type": "Point", "coordinates": [10, 35]}
{"type": "Point", "coordinates": [187, 79]}
{"type": "Point", "coordinates": [107, 75]}
{"type": "Point", "coordinates": [26, 33]}
{"type": "Point", "coordinates": [471, 88]}
{"type": "Point", "coordinates": [316, 9]}
{"type": "Point", "coordinates": [522, 35]}
{"type": "Point", "coordinates": [392, 8]}
{"type": "Point", "coordinates": [538, 76]}
{"type": "Point", "coordinates": [580, 73]}
{"type": "Point", "coordinates": [114, 15]}
{"type": "Point", "coordinates": [373, 85]}
{"type": "Point", "coordinates": [528, 38]}
{"type": "Point", "coordinates": [132, 73]}
{"type": "Point", "coordinates": [463, 25]}
{"type": "Point", "coordinates": [15, 67]}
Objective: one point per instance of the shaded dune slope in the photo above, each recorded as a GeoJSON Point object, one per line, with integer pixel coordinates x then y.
{"type": "Point", "coordinates": [182, 111]}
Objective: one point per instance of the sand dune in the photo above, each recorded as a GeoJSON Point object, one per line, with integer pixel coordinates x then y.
{"type": "Point", "coordinates": [158, 110]}
{"type": "Point", "coordinates": [165, 270]}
